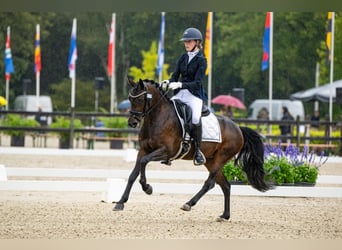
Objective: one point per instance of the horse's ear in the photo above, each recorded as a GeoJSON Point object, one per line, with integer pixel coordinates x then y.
{"type": "Point", "coordinates": [130, 81]}
{"type": "Point", "coordinates": [141, 83]}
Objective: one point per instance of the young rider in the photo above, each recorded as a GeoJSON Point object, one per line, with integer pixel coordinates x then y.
{"type": "Point", "coordinates": [186, 81]}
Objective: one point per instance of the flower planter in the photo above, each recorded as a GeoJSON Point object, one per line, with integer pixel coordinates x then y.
{"type": "Point", "coordinates": [17, 141]}
{"type": "Point", "coordinates": [64, 136]}
{"type": "Point", "coordinates": [304, 184]}
{"type": "Point", "coordinates": [117, 144]}
{"type": "Point", "coordinates": [282, 168]}
{"type": "Point", "coordinates": [17, 136]}
{"type": "Point", "coordinates": [64, 143]}
{"type": "Point", "coordinates": [286, 184]}
{"type": "Point", "coordinates": [238, 182]}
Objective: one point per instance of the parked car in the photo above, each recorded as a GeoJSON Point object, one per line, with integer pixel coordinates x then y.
{"type": "Point", "coordinates": [29, 103]}
{"type": "Point", "coordinates": [296, 108]}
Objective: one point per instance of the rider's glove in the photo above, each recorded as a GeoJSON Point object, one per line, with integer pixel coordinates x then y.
{"type": "Point", "coordinates": [164, 85]}
{"type": "Point", "coordinates": [175, 85]}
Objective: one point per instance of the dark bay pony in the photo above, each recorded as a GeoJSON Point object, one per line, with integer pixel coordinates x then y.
{"type": "Point", "coordinates": [161, 135]}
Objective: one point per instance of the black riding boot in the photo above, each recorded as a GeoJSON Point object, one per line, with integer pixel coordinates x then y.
{"type": "Point", "coordinates": [199, 157]}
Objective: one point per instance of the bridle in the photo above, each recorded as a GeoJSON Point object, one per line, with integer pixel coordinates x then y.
{"type": "Point", "coordinates": [139, 115]}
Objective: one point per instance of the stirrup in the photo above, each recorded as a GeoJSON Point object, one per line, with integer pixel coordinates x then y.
{"type": "Point", "coordinates": [198, 162]}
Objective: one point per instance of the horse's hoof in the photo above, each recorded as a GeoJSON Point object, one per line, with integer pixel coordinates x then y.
{"type": "Point", "coordinates": [186, 207]}
{"type": "Point", "coordinates": [149, 189]}
{"type": "Point", "coordinates": [222, 219]}
{"type": "Point", "coordinates": [118, 207]}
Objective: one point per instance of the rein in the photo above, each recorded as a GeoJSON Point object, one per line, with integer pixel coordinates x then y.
{"type": "Point", "coordinates": [147, 105]}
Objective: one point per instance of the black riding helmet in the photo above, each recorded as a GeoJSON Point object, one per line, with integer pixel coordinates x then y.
{"type": "Point", "coordinates": [191, 34]}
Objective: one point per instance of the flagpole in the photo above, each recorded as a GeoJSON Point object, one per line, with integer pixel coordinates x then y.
{"type": "Point", "coordinates": [73, 78]}
{"type": "Point", "coordinates": [210, 59]}
{"type": "Point", "coordinates": [7, 93]}
{"type": "Point", "coordinates": [270, 72]}
{"type": "Point", "coordinates": [113, 100]}
{"type": "Point", "coordinates": [331, 72]}
{"type": "Point", "coordinates": [73, 86]}
{"type": "Point", "coordinates": [331, 67]}
{"type": "Point", "coordinates": [316, 105]}
{"type": "Point", "coordinates": [160, 62]}
{"type": "Point", "coordinates": [7, 74]}
{"type": "Point", "coordinates": [72, 74]}
{"type": "Point", "coordinates": [37, 71]}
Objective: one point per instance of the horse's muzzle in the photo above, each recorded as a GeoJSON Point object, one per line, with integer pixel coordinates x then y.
{"type": "Point", "coordinates": [133, 122]}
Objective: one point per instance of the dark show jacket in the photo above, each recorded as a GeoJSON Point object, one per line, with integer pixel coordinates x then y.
{"type": "Point", "coordinates": [192, 74]}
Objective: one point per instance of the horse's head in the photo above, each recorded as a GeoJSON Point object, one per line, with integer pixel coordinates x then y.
{"type": "Point", "coordinates": [140, 96]}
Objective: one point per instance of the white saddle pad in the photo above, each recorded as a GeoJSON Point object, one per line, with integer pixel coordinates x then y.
{"type": "Point", "coordinates": [211, 130]}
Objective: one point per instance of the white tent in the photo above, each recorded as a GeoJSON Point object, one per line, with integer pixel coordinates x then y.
{"type": "Point", "coordinates": [321, 93]}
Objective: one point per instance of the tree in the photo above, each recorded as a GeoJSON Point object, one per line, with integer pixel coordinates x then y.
{"type": "Point", "coordinates": [84, 96]}
{"type": "Point", "coordinates": [238, 52]}
{"type": "Point", "coordinates": [324, 66]}
{"type": "Point", "coordinates": [149, 65]}
{"type": "Point", "coordinates": [23, 28]}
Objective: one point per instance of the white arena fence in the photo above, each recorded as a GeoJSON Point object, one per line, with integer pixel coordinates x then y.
{"type": "Point", "coordinates": [111, 182]}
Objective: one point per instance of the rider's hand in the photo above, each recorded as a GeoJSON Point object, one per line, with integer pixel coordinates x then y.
{"type": "Point", "coordinates": [164, 85]}
{"type": "Point", "coordinates": [175, 85]}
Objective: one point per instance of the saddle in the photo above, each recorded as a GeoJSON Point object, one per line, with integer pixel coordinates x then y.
{"type": "Point", "coordinates": [184, 115]}
{"type": "Point", "coordinates": [184, 112]}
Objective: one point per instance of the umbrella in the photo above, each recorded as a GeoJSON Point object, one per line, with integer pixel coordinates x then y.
{"type": "Point", "coordinates": [228, 100]}
{"type": "Point", "coordinates": [125, 104]}
{"type": "Point", "coordinates": [3, 101]}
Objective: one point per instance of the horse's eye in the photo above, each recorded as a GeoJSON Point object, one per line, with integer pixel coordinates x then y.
{"type": "Point", "coordinates": [139, 100]}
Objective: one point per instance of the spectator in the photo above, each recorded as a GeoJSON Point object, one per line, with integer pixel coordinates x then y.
{"type": "Point", "coordinates": [315, 119]}
{"type": "Point", "coordinates": [42, 120]}
{"type": "Point", "coordinates": [228, 111]}
{"type": "Point", "coordinates": [263, 114]}
{"type": "Point", "coordinates": [285, 129]}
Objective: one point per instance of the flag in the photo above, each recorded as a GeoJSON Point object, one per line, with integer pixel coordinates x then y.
{"type": "Point", "coordinates": [73, 51]}
{"type": "Point", "coordinates": [207, 47]}
{"type": "Point", "coordinates": [111, 48]}
{"type": "Point", "coordinates": [160, 62]}
{"type": "Point", "coordinates": [37, 56]}
{"type": "Point", "coordinates": [9, 68]}
{"type": "Point", "coordinates": [266, 43]}
{"type": "Point", "coordinates": [328, 40]}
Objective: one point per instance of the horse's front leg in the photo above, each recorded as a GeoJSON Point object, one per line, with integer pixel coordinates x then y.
{"type": "Point", "coordinates": [208, 184]}
{"type": "Point", "coordinates": [140, 167]}
{"type": "Point", "coordinates": [156, 155]}
{"type": "Point", "coordinates": [131, 179]}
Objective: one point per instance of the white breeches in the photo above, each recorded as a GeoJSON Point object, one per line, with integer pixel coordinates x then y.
{"type": "Point", "coordinates": [193, 102]}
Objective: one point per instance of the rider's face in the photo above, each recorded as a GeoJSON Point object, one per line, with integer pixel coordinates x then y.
{"type": "Point", "coordinates": [189, 45]}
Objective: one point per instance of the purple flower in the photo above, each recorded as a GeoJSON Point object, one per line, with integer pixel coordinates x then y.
{"type": "Point", "coordinates": [293, 155]}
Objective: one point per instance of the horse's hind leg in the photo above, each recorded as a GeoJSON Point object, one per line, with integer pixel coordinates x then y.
{"type": "Point", "coordinates": [208, 184]}
{"type": "Point", "coordinates": [225, 186]}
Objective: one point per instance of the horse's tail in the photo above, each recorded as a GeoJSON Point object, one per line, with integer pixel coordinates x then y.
{"type": "Point", "coordinates": [251, 157]}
